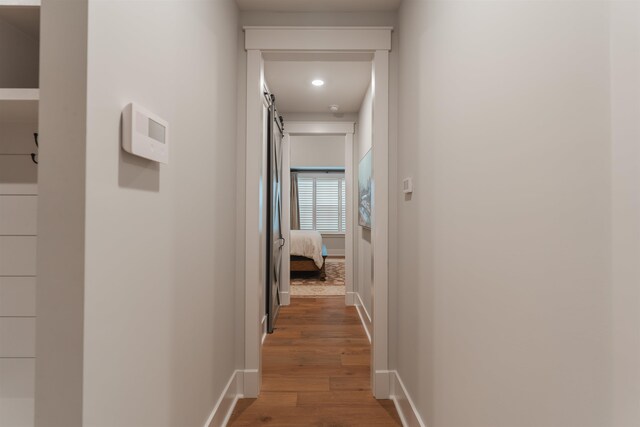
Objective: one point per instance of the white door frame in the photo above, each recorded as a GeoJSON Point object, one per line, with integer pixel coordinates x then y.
{"type": "Point", "coordinates": [375, 40]}
{"type": "Point", "coordinates": [345, 129]}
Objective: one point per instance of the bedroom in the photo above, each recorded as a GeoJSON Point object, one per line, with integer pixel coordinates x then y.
{"type": "Point", "coordinates": [317, 215]}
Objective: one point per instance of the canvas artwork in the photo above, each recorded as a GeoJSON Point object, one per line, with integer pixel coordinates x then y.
{"type": "Point", "coordinates": [365, 204]}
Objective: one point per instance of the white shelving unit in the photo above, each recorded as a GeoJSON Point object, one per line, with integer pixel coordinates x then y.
{"type": "Point", "coordinates": [19, 42]}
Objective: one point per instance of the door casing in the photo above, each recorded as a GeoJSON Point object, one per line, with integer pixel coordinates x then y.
{"type": "Point", "coordinates": [374, 40]}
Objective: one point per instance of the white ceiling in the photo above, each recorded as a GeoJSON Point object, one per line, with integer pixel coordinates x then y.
{"type": "Point", "coordinates": [319, 5]}
{"type": "Point", "coordinates": [346, 83]}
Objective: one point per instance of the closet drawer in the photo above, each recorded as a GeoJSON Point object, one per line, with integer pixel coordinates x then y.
{"type": "Point", "coordinates": [17, 378]}
{"type": "Point", "coordinates": [17, 296]}
{"type": "Point", "coordinates": [18, 188]}
{"type": "Point", "coordinates": [17, 384]}
{"type": "Point", "coordinates": [16, 412]}
{"type": "Point", "coordinates": [17, 256]}
{"type": "Point", "coordinates": [18, 215]}
{"type": "Point", "coordinates": [17, 336]}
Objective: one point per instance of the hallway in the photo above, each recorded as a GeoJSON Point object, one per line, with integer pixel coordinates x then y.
{"type": "Point", "coordinates": [316, 371]}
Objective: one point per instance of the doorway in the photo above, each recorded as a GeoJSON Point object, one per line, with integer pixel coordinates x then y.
{"type": "Point", "coordinates": [329, 180]}
{"type": "Point", "coordinates": [259, 41]}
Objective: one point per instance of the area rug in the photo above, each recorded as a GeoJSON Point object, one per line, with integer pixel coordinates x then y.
{"type": "Point", "coordinates": [310, 284]}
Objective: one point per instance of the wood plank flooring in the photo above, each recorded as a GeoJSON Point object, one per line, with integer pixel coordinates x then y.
{"type": "Point", "coordinates": [316, 371]}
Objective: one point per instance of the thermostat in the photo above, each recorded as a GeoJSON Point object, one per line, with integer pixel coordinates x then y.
{"type": "Point", "coordinates": [407, 186]}
{"type": "Point", "coordinates": [145, 134]}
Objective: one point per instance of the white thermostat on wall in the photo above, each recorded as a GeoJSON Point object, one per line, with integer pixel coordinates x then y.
{"type": "Point", "coordinates": [145, 134]}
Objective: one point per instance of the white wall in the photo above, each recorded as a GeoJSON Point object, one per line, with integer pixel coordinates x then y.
{"type": "Point", "coordinates": [334, 244]}
{"type": "Point", "coordinates": [363, 141]}
{"type": "Point", "coordinates": [625, 106]}
{"type": "Point", "coordinates": [159, 280]}
{"type": "Point", "coordinates": [317, 151]}
{"type": "Point", "coordinates": [503, 311]}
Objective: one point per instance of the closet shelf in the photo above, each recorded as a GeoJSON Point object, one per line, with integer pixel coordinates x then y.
{"type": "Point", "coordinates": [19, 94]}
{"type": "Point", "coordinates": [19, 105]}
{"type": "Point", "coordinates": [19, 3]}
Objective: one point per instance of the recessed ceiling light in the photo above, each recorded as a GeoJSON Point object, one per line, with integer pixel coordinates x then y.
{"type": "Point", "coordinates": [318, 82]}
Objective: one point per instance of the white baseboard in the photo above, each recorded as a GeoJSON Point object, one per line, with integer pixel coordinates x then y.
{"type": "Point", "coordinates": [285, 298]}
{"type": "Point", "coordinates": [404, 405]}
{"type": "Point", "coordinates": [350, 298]}
{"type": "Point", "coordinates": [364, 315]}
{"type": "Point", "coordinates": [382, 384]}
{"type": "Point", "coordinates": [251, 383]}
{"type": "Point", "coordinates": [335, 252]}
{"type": "Point", "coordinates": [364, 309]}
{"type": "Point", "coordinates": [227, 401]}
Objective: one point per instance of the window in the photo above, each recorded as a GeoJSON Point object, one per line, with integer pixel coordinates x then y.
{"type": "Point", "coordinates": [322, 202]}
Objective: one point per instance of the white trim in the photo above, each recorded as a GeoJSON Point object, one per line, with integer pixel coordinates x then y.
{"type": "Point", "coordinates": [350, 298]}
{"type": "Point", "coordinates": [336, 252]}
{"type": "Point", "coordinates": [407, 411]}
{"type": "Point", "coordinates": [361, 303]}
{"type": "Point", "coordinates": [330, 39]}
{"type": "Point", "coordinates": [285, 298]}
{"type": "Point", "coordinates": [362, 313]}
{"type": "Point", "coordinates": [365, 318]}
{"type": "Point", "coordinates": [250, 381]}
{"type": "Point", "coordinates": [323, 128]}
{"type": "Point", "coordinates": [253, 213]}
{"type": "Point", "coordinates": [285, 279]}
{"type": "Point", "coordinates": [223, 408]}
{"type": "Point", "coordinates": [380, 219]}
{"type": "Point", "coordinates": [382, 383]}
{"type": "Point", "coordinates": [349, 276]}
{"type": "Point", "coordinates": [320, 27]}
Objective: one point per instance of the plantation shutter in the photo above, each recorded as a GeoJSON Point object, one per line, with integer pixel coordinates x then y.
{"type": "Point", "coordinates": [343, 198]}
{"type": "Point", "coordinates": [322, 203]}
{"type": "Point", "coordinates": [327, 204]}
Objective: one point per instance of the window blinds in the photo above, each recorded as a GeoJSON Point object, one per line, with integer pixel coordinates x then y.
{"type": "Point", "coordinates": [322, 203]}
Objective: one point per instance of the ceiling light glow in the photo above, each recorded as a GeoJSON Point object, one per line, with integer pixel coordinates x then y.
{"type": "Point", "coordinates": [318, 82]}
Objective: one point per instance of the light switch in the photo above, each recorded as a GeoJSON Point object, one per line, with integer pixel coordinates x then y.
{"type": "Point", "coordinates": [407, 186]}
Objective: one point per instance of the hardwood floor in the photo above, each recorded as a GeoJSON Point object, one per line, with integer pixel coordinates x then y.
{"type": "Point", "coordinates": [316, 371]}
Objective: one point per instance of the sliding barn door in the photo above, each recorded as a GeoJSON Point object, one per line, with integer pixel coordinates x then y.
{"type": "Point", "coordinates": [275, 240]}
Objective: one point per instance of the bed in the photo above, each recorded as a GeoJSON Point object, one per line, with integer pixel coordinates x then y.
{"type": "Point", "coordinates": [308, 253]}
